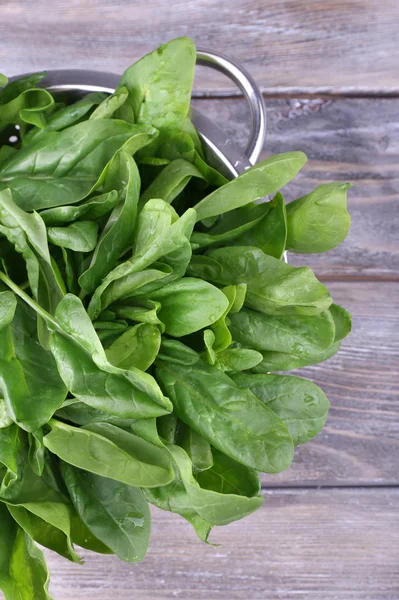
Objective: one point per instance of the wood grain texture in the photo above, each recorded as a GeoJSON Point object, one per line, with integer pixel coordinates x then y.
{"type": "Point", "coordinates": [353, 140]}
{"type": "Point", "coordinates": [333, 46]}
{"type": "Point", "coordinates": [302, 544]}
{"type": "Point", "coordinates": [360, 442]}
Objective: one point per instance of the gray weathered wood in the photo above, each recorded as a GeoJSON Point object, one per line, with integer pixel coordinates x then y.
{"type": "Point", "coordinates": [353, 140]}
{"type": "Point", "coordinates": [302, 544]}
{"type": "Point", "coordinates": [360, 442]}
{"type": "Point", "coordinates": [349, 46]}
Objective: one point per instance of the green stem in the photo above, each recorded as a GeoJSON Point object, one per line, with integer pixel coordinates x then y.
{"type": "Point", "coordinates": [36, 307]}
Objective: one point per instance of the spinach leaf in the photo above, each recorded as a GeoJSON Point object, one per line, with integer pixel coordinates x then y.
{"type": "Point", "coordinates": [188, 305]}
{"type": "Point", "coordinates": [185, 496]}
{"type": "Point", "coordinates": [160, 85]}
{"type": "Point", "coordinates": [298, 335]}
{"type": "Point", "coordinates": [29, 380]}
{"type": "Point", "coordinates": [269, 233]}
{"type": "Point", "coordinates": [129, 286]}
{"type": "Point", "coordinates": [122, 174]}
{"type": "Point", "coordinates": [257, 182]}
{"type": "Point", "coordinates": [301, 404]}
{"type": "Point", "coordinates": [176, 352]}
{"type": "Point", "coordinates": [110, 104]}
{"type": "Point", "coordinates": [198, 448]}
{"type": "Point", "coordinates": [21, 102]}
{"type": "Point", "coordinates": [231, 226]}
{"type": "Point", "coordinates": [273, 287]}
{"type": "Point", "coordinates": [27, 233]}
{"type": "Point", "coordinates": [280, 361]}
{"type": "Point", "coordinates": [171, 181]}
{"type": "Point", "coordinates": [63, 167]}
{"type": "Point", "coordinates": [319, 221]}
{"type": "Point", "coordinates": [342, 321]}
{"type": "Point", "coordinates": [137, 347]}
{"type": "Point", "coordinates": [93, 208]}
{"type": "Point", "coordinates": [111, 452]}
{"type": "Point", "coordinates": [84, 368]}
{"type": "Point", "coordinates": [23, 571]}
{"type": "Point", "coordinates": [142, 312]}
{"type": "Point", "coordinates": [227, 476]}
{"type": "Point", "coordinates": [208, 400]}
{"type": "Point", "coordinates": [78, 413]}
{"type": "Point", "coordinates": [116, 513]}
{"type": "Point", "coordinates": [79, 237]}
{"type": "Point", "coordinates": [45, 533]}
{"type": "Point", "coordinates": [65, 116]}
{"type": "Point", "coordinates": [238, 359]}
{"type": "Point", "coordinates": [166, 241]}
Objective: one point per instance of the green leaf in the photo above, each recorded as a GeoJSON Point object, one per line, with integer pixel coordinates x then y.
{"type": "Point", "coordinates": [279, 361]}
{"type": "Point", "coordinates": [66, 116]}
{"type": "Point", "coordinates": [110, 104]}
{"type": "Point", "coordinates": [231, 226]}
{"type": "Point", "coordinates": [36, 452]}
{"type": "Point", "coordinates": [222, 336]}
{"type": "Point", "coordinates": [298, 335]}
{"type": "Point", "coordinates": [91, 378]}
{"type": "Point", "coordinates": [238, 359]}
{"type": "Point", "coordinates": [319, 221]}
{"type": "Point", "coordinates": [79, 237]}
{"type": "Point", "coordinates": [83, 537]}
{"type": "Point", "coordinates": [116, 238]}
{"type": "Point", "coordinates": [79, 413]}
{"type": "Point", "coordinates": [144, 312]}
{"type": "Point", "coordinates": [129, 286]}
{"type": "Point", "coordinates": [198, 448]}
{"type": "Point", "coordinates": [108, 451]}
{"type": "Point", "coordinates": [188, 305]}
{"type": "Point", "coordinates": [90, 209]}
{"type": "Point", "coordinates": [117, 514]}
{"type": "Point", "coordinates": [23, 571]}
{"type": "Point", "coordinates": [265, 178]}
{"type": "Point", "coordinates": [29, 381]}
{"type": "Point", "coordinates": [160, 85]}
{"type": "Point", "coordinates": [3, 80]}
{"type": "Point", "coordinates": [176, 352]}
{"type": "Point", "coordinates": [342, 321]}
{"type": "Point", "coordinates": [227, 476]}
{"type": "Point", "coordinates": [44, 533]}
{"type": "Point", "coordinates": [171, 181]}
{"type": "Point", "coordinates": [27, 233]}
{"type": "Point", "coordinates": [151, 247]}
{"type": "Point", "coordinates": [270, 233]}
{"type": "Point", "coordinates": [63, 167]}
{"type": "Point", "coordinates": [231, 419]}
{"type": "Point", "coordinates": [273, 287]}
{"type": "Point", "coordinates": [137, 347]}
{"type": "Point", "coordinates": [301, 404]}
{"type": "Point", "coordinates": [185, 496]}
{"type": "Point", "coordinates": [209, 341]}
{"type": "Point", "coordinates": [21, 102]}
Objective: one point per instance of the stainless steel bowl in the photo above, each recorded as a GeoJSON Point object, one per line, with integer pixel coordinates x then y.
{"type": "Point", "coordinates": [221, 152]}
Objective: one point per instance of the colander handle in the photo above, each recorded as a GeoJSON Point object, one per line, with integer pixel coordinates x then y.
{"type": "Point", "coordinates": [252, 93]}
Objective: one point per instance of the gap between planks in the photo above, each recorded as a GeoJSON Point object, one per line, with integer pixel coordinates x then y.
{"type": "Point", "coordinates": [326, 93]}
{"type": "Point", "coordinates": [329, 486]}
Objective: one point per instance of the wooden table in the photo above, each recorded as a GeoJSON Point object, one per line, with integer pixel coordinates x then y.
{"type": "Point", "coordinates": [329, 526]}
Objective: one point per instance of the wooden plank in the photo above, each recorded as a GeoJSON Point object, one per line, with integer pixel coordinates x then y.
{"type": "Point", "coordinates": [360, 442]}
{"type": "Point", "coordinates": [345, 140]}
{"type": "Point", "coordinates": [344, 46]}
{"type": "Point", "coordinates": [302, 544]}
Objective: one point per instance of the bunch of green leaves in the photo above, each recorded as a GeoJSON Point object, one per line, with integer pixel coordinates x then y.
{"type": "Point", "coordinates": [145, 307]}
